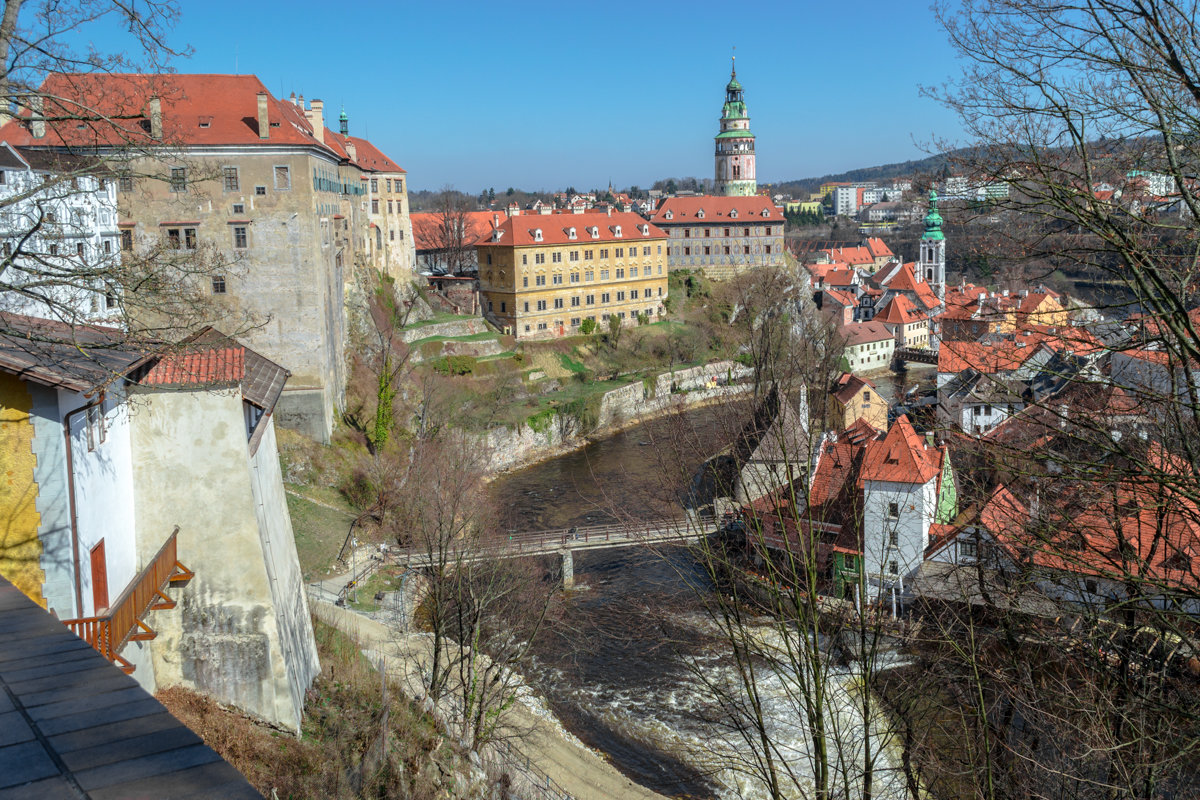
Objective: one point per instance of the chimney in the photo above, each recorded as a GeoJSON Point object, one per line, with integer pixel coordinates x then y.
{"type": "Point", "coordinates": [610, 211]}
{"type": "Point", "coordinates": [351, 150]}
{"type": "Point", "coordinates": [264, 123]}
{"type": "Point", "coordinates": [37, 123]}
{"type": "Point", "coordinates": [495, 220]}
{"type": "Point", "coordinates": [155, 118]}
{"type": "Point", "coordinates": [317, 118]}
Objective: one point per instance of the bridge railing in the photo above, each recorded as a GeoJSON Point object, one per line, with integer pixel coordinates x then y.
{"type": "Point", "coordinates": [538, 541]}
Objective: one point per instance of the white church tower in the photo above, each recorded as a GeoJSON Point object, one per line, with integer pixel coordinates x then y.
{"type": "Point", "coordinates": [735, 174]}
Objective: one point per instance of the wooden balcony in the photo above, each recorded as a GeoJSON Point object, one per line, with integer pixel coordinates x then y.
{"type": "Point", "coordinates": [125, 618]}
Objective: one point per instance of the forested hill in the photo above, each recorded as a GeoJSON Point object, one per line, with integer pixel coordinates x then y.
{"type": "Point", "coordinates": [931, 167]}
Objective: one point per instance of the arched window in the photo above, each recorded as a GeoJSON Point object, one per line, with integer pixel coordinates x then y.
{"type": "Point", "coordinates": [537, 234]}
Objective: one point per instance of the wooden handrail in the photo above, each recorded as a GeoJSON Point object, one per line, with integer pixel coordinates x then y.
{"type": "Point", "coordinates": [110, 632]}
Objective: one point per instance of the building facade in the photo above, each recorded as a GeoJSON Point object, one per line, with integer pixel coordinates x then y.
{"type": "Point", "coordinates": [543, 275]}
{"type": "Point", "coordinates": [735, 165]}
{"type": "Point", "coordinates": [258, 186]}
{"type": "Point", "coordinates": [59, 236]}
{"type": "Point", "coordinates": [722, 236]}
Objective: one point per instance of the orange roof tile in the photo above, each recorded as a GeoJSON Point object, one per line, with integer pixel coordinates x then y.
{"type": "Point", "coordinates": [684, 209]}
{"type": "Point", "coordinates": [865, 332]}
{"type": "Point", "coordinates": [983, 357]}
{"type": "Point", "coordinates": [196, 110]}
{"type": "Point", "coordinates": [427, 228]}
{"type": "Point", "coordinates": [555, 229]}
{"type": "Point", "coordinates": [901, 457]}
{"type": "Point", "coordinates": [198, 367]}
{"type": "Point", "coordinates": [899, 311]}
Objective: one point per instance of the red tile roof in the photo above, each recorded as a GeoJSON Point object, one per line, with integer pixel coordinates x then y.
{"type": "Point", "coordinates": [521, 230]}
{"type": "Point", "coordinates": [988, 359]}
{"type": "Point", "coordinates": [427, 228]}
{"type": "Point", "coordinates": [899, 311]}
{"type": "Point", "coordinates": [901, 457]}
{"type": "Point", "coordinates": [848, 386]}
{"type": "Point", "coordinates": [844, 299]}
{"type": "Point", "coordinates": [879, 248]}
{"type": "Point", "coordinates": [198, 367]}
{"type": "Point", "coordinates": [227, 103]}
{"type": "Point", "coordinates": [865, 332]}
{"type": "Point", "coordinates": [684, 209]}
{"type": "Point", "coordinates": [371, 158]}
{"type": "Point", "coordinates": [851, 255]}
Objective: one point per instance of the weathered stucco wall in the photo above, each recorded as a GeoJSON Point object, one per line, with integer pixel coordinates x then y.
{"type": "Point", "coordinates": [193, 470]}
{"type": "Point", "coordinates": [283, 567]}
{"type": "Point", "coordinates": [509, 448]}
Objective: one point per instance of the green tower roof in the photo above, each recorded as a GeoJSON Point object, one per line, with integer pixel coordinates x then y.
{"type": "Point", "coordinates": [933, 220]}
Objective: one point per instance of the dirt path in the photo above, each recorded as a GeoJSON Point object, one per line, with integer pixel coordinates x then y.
{"type": "Point", "coordinates": [582, 773]}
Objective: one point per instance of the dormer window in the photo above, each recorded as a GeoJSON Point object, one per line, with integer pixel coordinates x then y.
{"type": "Point", "coordinates": [765, 213]}
{"type": "Point", "coordinates": [206, 122]}
{"type": "Point", "coordinates": [617, 231]}
{"type": "Point", "coordinates": [733, 214]}
{"type": "Point", "coordinates": [645, 230]}
{"type": "Point", "coordinates": [537, 234]}
{"type": "Point", "coordinates": [669, 215]}
{"type": "Point", "coordinates": [571, 233]}
{"type": "Point", "coordinates": [496, 234]}
{"type": "Point", "coordinates": [700, 214]}
{"type": "Point", "coordinates": [595, 232]}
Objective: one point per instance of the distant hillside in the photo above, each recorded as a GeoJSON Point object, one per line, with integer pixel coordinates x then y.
{"type": "Point", "coordinates": [933, 167]}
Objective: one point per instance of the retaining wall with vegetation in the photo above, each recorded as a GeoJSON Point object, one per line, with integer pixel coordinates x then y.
{"type": "Point", "coordinates": [568, 427]}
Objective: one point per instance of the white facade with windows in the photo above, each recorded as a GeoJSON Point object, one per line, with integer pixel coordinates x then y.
{"type": "Point", "coordinates": [59, 238]}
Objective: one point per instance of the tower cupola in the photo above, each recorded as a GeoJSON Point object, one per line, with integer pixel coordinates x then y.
{"type": "Point", "coordinates": [735, 160]}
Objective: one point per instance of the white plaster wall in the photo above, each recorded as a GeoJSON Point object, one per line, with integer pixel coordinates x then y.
{"type": "Point", "coordinates": [917, 504]}
{"type": "Point", "coordinates": [283, 567]}
{"type": "Point", "coordinates": [192, 469]}
{"type": "Point", "coordinates": [103, 485]}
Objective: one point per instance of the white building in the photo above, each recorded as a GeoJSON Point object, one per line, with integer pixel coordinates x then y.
{"type": "Point", "coordinates": [845, 200]}
{"type": "Point", "coordinates": [131, 474]}
{"type": "Point", "coordinates": [59, 236]}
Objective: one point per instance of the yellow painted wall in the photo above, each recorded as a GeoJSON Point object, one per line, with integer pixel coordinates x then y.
{"type": "Point", "coordinates": [20, 548]}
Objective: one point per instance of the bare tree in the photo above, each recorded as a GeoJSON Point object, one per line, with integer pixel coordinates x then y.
{"type": "Point", "coordinates": [454, 233]}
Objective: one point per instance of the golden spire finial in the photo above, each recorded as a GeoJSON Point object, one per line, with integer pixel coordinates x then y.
{"type": "Point", "coordinates": [733, 63]}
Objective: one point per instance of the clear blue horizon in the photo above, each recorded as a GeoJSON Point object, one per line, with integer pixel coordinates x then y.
{"type": "Point", "coordinates": [544, 95]}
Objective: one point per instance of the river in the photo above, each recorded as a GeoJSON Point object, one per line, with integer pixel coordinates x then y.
{"type": "Point", "coordinates": [618, 677]}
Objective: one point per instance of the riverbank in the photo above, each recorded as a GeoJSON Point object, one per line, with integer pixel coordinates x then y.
{"type": "Point", "coordinates": [576, 771]}
{"type": "Point", "coordinates": [569, 428]}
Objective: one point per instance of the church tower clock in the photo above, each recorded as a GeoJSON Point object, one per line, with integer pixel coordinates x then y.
{"type": "Point", "coordinates": [735, 174]}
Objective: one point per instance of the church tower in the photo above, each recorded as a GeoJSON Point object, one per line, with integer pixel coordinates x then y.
{"type": "Point", "coordinates": [735, 175]}
{"type": "Point", "coordinates": [932, 265]}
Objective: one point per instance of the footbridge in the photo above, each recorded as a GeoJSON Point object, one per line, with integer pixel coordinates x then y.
{"type": "Point", "coordinates": [921, 355]}
{"type": "Point", "coordinates": [565, 541]}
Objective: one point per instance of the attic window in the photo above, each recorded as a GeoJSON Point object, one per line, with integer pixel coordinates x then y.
{"type": "Point", "coordinates": [206, 122]}
{"type": "Point", "coordinates": [645, 229]}
{"type": "Point", "coordinates": [733, 214]}
{"type": "Point", "coordinates": [571, 233]}
{"type": "Point", "coordinates": [595, 232]}
{"type": "Point", "coordinates": [669, 215]}
{"type": "Point", "coordinates": [700, 214]}
{"type": "Point", "coordinates": [537, 235]}
{"type": "Point", "coordinates": [274, 124]}
{"type": "Point", "coordinates": [765, 213]}
{"type": "Point", "coordinates": [617, 231]}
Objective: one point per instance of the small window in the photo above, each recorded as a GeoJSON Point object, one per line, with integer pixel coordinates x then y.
{"type": "Point", "coordinates": [283, 178]}
{"type": "Point", "coordinates": [240, 241]}
{"type": "Point", "coordinates": [894, 538]}
{"type": "Point", "coordinates": [106, 246]}
{"type": "Point", "coordinates": [260, 190]}
{"type": "Point", "coordinates": [218, 284]}
{"type": "Point", "coordinates": [97, 432]}
{"type": "Point", "coordinates": [894, 567]}
{"type": "Point", "coordinates": [239, 208]}
{"type": "Point", "coordinates": [125, 183]}
{"type": "Point", "coordinates": [126, 240]}
{"type": "Point", "coordinates": [178, 179]}
{"type": "Point", "coordinates": [231, 179]}
{"type": "Point", "coordinates": [893, 511]}
{"type": "Point", "coordinates": [79, 249]}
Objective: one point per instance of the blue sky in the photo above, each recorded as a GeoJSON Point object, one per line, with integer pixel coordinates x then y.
{"type": "Point", "coordinates": [542, 95]}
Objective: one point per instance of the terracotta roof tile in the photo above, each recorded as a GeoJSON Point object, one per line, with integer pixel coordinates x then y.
{"type": "Point", "coordinates": [521, 230]}
{"type": "Point", "coordinates": [717, 209]}
{"type": "Point", "coordinates": [902, 456]}
{"type": "Point", "coordinates": [198, 367]}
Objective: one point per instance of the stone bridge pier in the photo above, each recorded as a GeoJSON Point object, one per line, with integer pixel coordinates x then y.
{"type": "Point", "coordinates": [568, 568]}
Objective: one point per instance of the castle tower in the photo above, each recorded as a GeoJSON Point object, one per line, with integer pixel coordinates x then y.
{"type": "Point", "coordinates": [735, 174]}
{"type": "Point", "coordinates": [932, 266]}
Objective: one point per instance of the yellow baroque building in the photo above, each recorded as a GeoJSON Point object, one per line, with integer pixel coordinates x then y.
{"type": "Point", "coordinates": [542, 275]}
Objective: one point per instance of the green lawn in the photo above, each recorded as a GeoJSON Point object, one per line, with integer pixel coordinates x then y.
{"type": "Point", "coordinates": [319, 532]}
{"type": "Point", "coordinates": [473, 337]}
{"type": "Point", "coordinates": [439, 318]}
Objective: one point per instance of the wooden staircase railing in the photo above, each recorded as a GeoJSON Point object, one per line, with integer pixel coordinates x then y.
{"type": "Point", "coordinates": [125, 621]}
